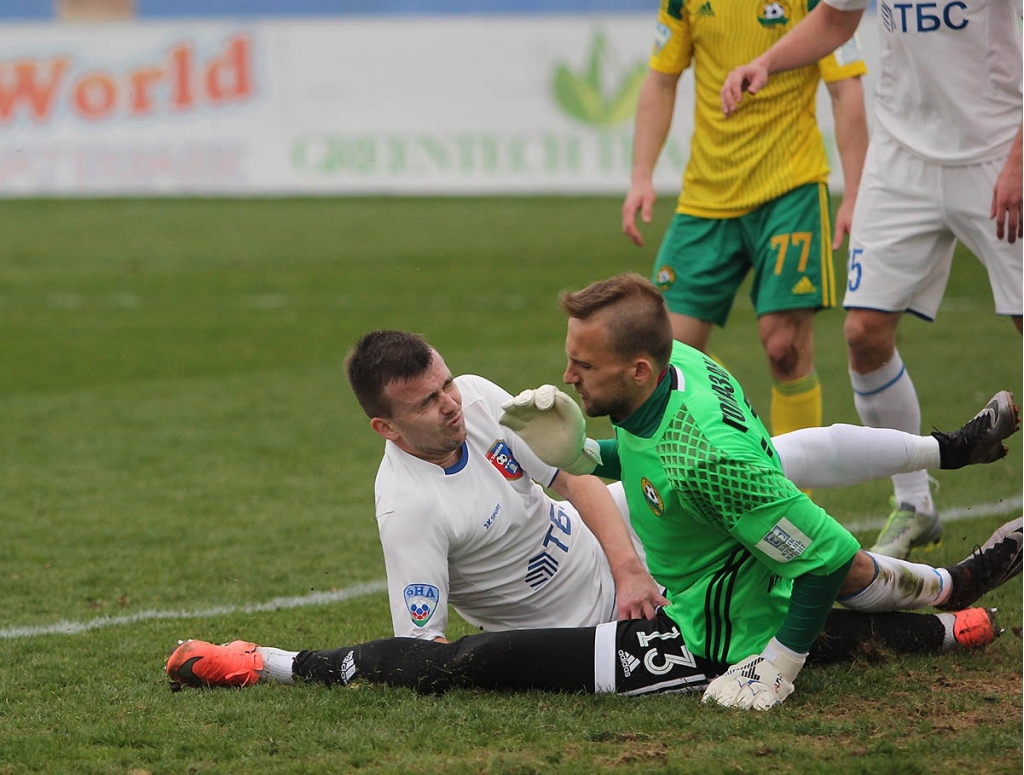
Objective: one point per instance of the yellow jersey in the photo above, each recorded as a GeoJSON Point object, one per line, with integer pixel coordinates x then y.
{"type": "Point", "coordinates": [772, 144]}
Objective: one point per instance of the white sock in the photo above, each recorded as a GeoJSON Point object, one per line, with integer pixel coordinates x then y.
{"type": "Point", "coordinates": [277, 665]}
{"type": "Point", "coordinates": [840, 455]}
{"type": "Point", "coordinates": [900, 586]}
{"type": "Point", "coordinates": [886, 398]}
{"type": "Point", "coordinates": [949, 639]}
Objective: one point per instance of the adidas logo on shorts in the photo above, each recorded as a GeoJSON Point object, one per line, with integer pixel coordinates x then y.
{"type": "Point", "coordinates": [629, 663]}
{"type": "Point", "coordinates": [804, 287]}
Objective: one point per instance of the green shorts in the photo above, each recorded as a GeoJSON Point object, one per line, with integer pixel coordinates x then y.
{"type": "Point", "coordinates": [787, 242]}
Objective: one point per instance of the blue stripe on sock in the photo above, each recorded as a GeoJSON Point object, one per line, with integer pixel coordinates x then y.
{"type": "Point", "coordinates": [890, 383]}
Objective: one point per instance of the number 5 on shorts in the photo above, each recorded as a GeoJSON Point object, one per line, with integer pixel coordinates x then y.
{"type": "Point", "coordinates": [854, 270]}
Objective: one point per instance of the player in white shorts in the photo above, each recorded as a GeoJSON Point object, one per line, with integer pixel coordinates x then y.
{"type": "Point", "coordinates": [463, 520]}
{"type": "Point", "coordinates": [944, 160]}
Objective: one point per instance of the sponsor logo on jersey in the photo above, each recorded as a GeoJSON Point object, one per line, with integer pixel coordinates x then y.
{"type": "Point", "coordinates": [652, 496]}
{"type": "Point", "coordinates": [664, 278]}
{"type": "Point", "coordinates": [923, 17]}
{"type": "Point", "coordinates": [804, 287]}
{"type": "Point", "coordinates": [629, 663]}
{"type": "Point", "coordinates": [662, 35]}
{"type": "Point", "coordinates": [706, 10]}
{"type": "Point", "coordinates": [774, 14]}
{"type": "Point", "coordinates": [501, 458]}
{"type": "Point", "coordinates": [421, 602]}
{"type": "Point", "coordinates": [784, 542]}
{"type": "Point", "coordinates": [849, 52]}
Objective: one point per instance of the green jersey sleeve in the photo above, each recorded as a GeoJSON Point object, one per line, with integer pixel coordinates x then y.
{"type": "Point", "coordinates": [610, 467]}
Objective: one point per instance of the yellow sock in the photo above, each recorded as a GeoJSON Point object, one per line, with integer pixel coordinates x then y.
{"type": "Point", "coordinates": [796, 404]}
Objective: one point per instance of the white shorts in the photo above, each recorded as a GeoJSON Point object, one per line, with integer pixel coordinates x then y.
{"type": "Point", "coordinates": [907, 220]}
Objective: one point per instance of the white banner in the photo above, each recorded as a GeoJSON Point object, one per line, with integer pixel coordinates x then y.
{"type": "Point", "coordinates": [334, 106]}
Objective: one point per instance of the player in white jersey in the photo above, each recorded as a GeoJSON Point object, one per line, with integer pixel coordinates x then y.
{"type": "Point", "coordinates": [463, 520]}
{"type": "Point", "coordinates": [943, 162]}
{"type": "Point", "coordinates": [484, 536]}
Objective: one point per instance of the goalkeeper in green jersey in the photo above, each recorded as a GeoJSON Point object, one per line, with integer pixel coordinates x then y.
{"type": "Point", "coordinates": [750, 564]}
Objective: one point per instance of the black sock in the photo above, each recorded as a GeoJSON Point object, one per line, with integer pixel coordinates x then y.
{"type": "Point", "coordinates": [555, 660]}
{"type": "Point", "coordinates": [850, 635]}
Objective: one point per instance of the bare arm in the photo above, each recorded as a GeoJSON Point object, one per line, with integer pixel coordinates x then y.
{"type": "Point", "coordinates": [636, 593]}
{"type": "Point", "coordinates": [852, 139]}
{"type": "Point", "coordinates": [1007, 197]}
{"type": "Point", "coordinates": [653, 121]}
{"type": "Point", "coordinates": [822, 31]}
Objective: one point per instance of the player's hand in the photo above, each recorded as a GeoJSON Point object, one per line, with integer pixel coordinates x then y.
{"type": "Point", "coordinates": [637, 595]}
{"type": "Point", "coordinates": [844, 221]}
{"type": "Point", "coordinates": [753, 683]}
{"type": "Point", "coordinates": [758, 682]}
{"type": "Point", "coordinates": [640, 199]}
{"type": "Point", "coordinates": [1007, 198]}
{"type": "Point", "coordinates": [554, 427]}
{"type": "Point", "coordinates": [749, 78]}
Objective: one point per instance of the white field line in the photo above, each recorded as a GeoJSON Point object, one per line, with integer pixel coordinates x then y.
{"type": "Point", "coordinates": [1003, 506]}
{"type": "Point", "coordinates": [275, 604]}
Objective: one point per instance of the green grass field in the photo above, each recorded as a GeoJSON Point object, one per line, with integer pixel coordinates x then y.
{"type": "Point", "coordinates": [181, 457]}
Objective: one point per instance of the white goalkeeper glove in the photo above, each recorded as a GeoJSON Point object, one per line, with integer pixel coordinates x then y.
{"type": "Point", "coordinates": [758, 682]}
{"type": "Point", "coordinates": [553, 425]}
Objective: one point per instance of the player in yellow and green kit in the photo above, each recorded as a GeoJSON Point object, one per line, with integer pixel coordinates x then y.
{"type": "Point", "coordinates": [754, 193]}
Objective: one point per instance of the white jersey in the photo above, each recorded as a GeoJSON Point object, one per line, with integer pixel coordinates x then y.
{"type": "Point", "coordinates": [950, 82]}
{"type": "Point", "coordinates": [484, 536]}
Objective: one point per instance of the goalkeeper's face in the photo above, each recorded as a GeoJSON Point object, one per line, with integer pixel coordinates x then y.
{"type": "Point", "coordinates": [426, 415]}
{"type": "Point", "coordinates": [606, 383]}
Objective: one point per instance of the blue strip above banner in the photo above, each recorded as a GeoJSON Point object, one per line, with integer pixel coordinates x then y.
{"type": "Point", "coordinates": [39, 10]}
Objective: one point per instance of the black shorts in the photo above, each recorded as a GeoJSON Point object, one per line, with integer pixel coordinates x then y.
{"type": "Point", "coordinates": [645, 657]}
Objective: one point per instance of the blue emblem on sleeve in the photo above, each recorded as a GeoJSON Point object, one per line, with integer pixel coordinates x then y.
{"type": "Point", "coordinates": [421, 601]}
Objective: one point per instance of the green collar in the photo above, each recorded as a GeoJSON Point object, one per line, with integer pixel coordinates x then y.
{"type": "Point", "coordinates": [646, 420]}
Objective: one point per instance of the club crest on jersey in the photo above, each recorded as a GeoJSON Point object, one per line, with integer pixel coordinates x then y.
{"type": "Point", "coordinates": [501, 458]}
{"type": "Point", "coordinates": [774, 13]}
{"type": "Point", "coordinates": [652, 497]}
{"type": "Point", "coordinates": [421, 602]}
{"type": "Point", "coordinates": [664, 278]}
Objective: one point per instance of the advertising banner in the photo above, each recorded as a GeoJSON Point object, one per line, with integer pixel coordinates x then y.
{"type": "Point", "coordinates": [354, 105]}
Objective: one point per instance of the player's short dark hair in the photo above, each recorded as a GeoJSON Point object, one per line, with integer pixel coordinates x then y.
{"type": "Point", "coordinates": [638, 322]}
{"type": "Point", "coordinates": [380, 358]}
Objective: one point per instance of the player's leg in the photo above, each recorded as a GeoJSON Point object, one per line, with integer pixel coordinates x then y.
{"type": "Point", "coordinates": [876, 582]}
{"type": "Point", "coordinates": [849, 635]}
{"type": "Point", "coordinates": [557, 660]}
{"type": "Point", "coordinates": [699, 267]}
{"type": "Point", "coordinates": [840, 455]}
{"type": "Point", "coordinates": [629, 657]}
{"type": "Point", "coordinates": [900, 254]}
{"type": "Point", "coordinates": [788, 341]}
{"type": "Point", "coordinates": [969, 206]}
{"type": "Point", "coordinates": [790, 241]}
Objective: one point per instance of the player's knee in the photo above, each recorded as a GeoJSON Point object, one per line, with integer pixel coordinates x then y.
{"type": "Point", "coordinates": [869, 340]}
{"type": "Point", "coordinates": [861, 573]}
{"type": "Point", "coordinates": [783, 354]}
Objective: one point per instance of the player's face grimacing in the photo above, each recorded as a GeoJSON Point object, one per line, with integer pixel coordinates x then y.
{"type": "Point", "coordinates": [426, 415]}
{"type": "Point", "coordinates": [601, 378]}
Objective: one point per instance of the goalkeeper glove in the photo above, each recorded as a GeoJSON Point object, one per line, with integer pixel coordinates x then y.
{"type": "Point", "coordinates": [551, 423]}
{"type": "Point", "coordinates": [758, 682]}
